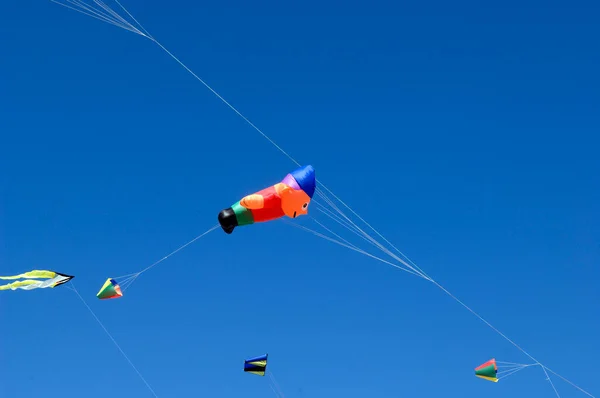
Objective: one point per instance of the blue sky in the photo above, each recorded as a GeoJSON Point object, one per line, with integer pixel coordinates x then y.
{"type": "Point", "coordinates": [465, 133]}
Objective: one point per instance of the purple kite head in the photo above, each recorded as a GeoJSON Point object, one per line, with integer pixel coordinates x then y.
{"type": "Point", "coordinates": [303, 178]}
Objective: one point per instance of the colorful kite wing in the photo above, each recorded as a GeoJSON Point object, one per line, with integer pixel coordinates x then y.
{"type": "Point", "coordinates": [30, 280]}
{"type": "Point", "coordinates": [257, 366]}
{"type": "Point", "coordinates": [109, 290]}
{"type": "Point", "coordinates": [487, 371]}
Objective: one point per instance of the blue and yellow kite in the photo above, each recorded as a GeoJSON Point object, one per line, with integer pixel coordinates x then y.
{"type": "Point", "coordinates": [257, 366]}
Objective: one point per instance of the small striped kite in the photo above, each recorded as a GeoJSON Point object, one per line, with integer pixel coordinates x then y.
{"type": "Point", "coordinates": [257, 366]}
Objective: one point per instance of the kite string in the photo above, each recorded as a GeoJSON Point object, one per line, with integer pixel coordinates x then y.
{"type": "Point", "coordinates": [370, 226]}
{"type": "Point", "coordinates": [369, 237]}
{"type": "Point", "coordinates": [274, 391]}
{"type": "Point", "coordinates": [274, 381]}
{"type": "Point", "coordinates": [132, 277]}
{"type": "Point", "coordinates": [113, 340]}
{"type": "Point", "coordinates": [566, 380]}
{"type": "Point", "coordinates": [320, 235]}
{"type": "Point", "coordinates": [342, 202]}
{"type": "Point", "coordinates": [507, 373]}
{"type": "Point", "coordinates": [333, 233]}
{"type": "Point", "coordinates": [147, 34]}
{"type": "Point", "coordinates": [83, 10]}
{"type": "Point", "coordinates": [550, 380]}
{"type": "Point", "coordinates": [483, 320]}
{"type": "Point", "coordinates": [179, 249]}
{"type": "Point", "coordinates": [223, 100]}
{"type": "Point", "coordinates": [508, 369]}
{"type": "Point", "coordinates": [503, 363]}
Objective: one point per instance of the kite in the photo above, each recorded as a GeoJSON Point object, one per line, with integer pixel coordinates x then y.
{"type": "Point", "coordinates": [290, 197]}
{"type": "Point", "coordinates": [29, 280]}
{"type": "Point", "coordinates": [257, 366]}
{"type": "Point", "coordinates": [488, 371]}
{"type": "Point", "coordinates": [110, 290]}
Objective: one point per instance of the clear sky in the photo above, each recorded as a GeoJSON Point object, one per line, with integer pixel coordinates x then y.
{"type": "Point", "coordinates": [466, 133]}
